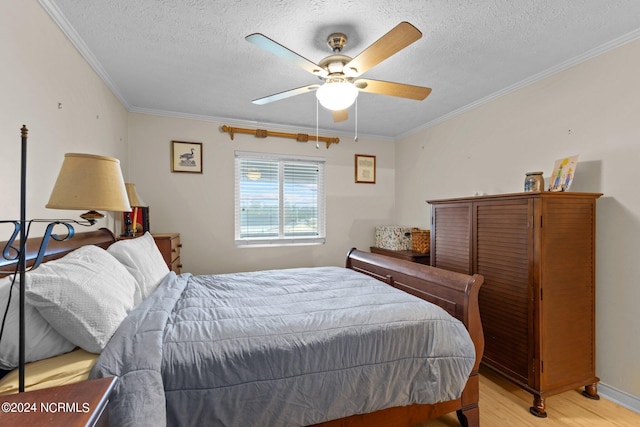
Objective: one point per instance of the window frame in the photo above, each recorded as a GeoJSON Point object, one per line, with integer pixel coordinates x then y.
{"type": "Point", "coordinates": [281, 239]}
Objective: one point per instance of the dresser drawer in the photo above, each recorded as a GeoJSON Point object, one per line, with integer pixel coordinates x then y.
{"type": "Point", "coordinates": [176, 265]}
{"type": "Point", "coordinates": [409, 255]}
{"type": "Point", "coordinates": [175, 248]}
{"type": "Point", "coordinates": [169, 246]}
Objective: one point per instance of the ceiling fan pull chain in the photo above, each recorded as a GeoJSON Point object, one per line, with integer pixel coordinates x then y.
{"type": "Point", "coordinates": [356, 137]}
{"type": "Point", "coordinates": [317, 140]}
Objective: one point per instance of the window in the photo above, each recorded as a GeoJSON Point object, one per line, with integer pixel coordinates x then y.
{"type": "Point", "coordinates": [279, 199]}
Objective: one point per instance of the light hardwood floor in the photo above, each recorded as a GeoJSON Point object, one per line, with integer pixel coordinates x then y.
{"type": "Point", "coordinates": [503, 404]}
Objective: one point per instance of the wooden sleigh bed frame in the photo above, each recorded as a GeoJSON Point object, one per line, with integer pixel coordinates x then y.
{"type": "Point", "coordinates": [454, 292]}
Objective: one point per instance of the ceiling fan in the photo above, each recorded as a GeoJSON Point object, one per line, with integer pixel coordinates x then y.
{"type": "Point", "coordinates": [341, 73]}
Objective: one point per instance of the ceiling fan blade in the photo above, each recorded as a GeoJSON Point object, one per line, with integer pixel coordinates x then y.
{"type": "Point", "coordinates": [393, 89]}
{"type": "Point", "coordinates": [401, 36]}
{"type": "Point", "coordinates": [340, 115]}
{"type": "Point", "coordinates": [285, 94]}
{"type": "Point", "coordinates": [276, 48]}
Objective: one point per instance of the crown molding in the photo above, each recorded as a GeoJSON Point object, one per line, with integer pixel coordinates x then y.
{"type": "Point", "coordinates": [592, 53]}
{"type": "Point", "coordinates": [75, 39]}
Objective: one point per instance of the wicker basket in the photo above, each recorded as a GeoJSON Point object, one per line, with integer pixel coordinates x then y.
{"type": "Point", "coordinates": [420, 240]}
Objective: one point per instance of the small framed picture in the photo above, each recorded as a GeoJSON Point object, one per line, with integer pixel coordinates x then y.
{"type": "Point", "coordinates": [365, 169]}
{"type": "Point", "coordinates": [186, 156]}
{"type": "Point", "coordinates": [563, 172]}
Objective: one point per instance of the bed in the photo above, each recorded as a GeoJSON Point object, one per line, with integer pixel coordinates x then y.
{"type": "Point", "coordinates": [393, 395]}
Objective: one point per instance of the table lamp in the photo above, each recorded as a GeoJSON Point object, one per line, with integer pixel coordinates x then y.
{"type": "Point", "coordinates": [85, 181]}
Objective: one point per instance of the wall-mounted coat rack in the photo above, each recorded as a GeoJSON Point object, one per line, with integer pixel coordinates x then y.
{"type": "Point", "coordinates": [263, 133]}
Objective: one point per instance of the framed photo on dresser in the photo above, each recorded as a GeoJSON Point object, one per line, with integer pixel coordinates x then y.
{"type": "Point", "coordinates": [563, 171]}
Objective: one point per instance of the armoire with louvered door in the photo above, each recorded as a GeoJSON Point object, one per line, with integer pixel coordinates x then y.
{"type": "Point", "coordinates": [536, 252]}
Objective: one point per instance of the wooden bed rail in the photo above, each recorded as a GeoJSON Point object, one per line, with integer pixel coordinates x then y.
{"type": "Point", "coordinates": [454, 292]}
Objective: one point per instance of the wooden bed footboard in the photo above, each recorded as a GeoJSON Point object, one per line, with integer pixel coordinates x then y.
{"type": "Point", "coordinates": [457, 294]}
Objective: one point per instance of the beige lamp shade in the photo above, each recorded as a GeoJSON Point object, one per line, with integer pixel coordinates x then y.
{"type": "Point", "coordinates": [87, 181]}
{"type": "Point", "coordinates": [134, 198]}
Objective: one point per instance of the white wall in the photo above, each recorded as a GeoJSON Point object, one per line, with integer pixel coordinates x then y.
{"type": "Point", "coordinates": [593, 110]}
{"type": "Point", "coordinates": [201, 207]}
{"type": "Point", "coordinates": [40, 70]}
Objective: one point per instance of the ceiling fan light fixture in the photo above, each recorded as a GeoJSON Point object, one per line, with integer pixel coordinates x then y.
{"type": "Point", "coordinates": [337, 96]}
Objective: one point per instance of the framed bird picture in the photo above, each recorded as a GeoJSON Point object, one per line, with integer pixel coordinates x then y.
{"type": "Point", "coordinates": [186, 156]}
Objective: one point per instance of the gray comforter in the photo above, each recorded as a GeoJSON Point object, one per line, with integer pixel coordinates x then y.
{"type": "Point", "coordinates": [280, 348]}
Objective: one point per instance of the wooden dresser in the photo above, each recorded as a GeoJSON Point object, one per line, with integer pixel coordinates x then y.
{"type": "Point", "coordinates": [80, 404]}
{"type": "Point", "coordinates": [536, 252]}
{"type": "Point", "coordinates": [169, 245]}
{"type": "Point", "coordinates": [407, 255]}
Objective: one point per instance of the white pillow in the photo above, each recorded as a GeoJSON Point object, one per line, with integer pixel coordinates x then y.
{"type": "Point", "coordinates": [41, 340]}
{"type": "Point", "coordinates": [84, 295]}
{"type": "Point", "coordinates": [144, 261]}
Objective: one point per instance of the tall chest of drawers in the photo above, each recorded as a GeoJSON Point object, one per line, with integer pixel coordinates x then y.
{"type": "Point", "coordinates": [536, 252]}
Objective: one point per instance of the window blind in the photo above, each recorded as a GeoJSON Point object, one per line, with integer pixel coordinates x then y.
{"type": "Point", "coordinates": [279, 199]}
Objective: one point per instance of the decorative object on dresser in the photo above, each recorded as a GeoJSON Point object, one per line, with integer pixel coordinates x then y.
{"type": "Point", "coordinates": [393, 237]}
{"type": "Point", "coordinates": [85, 181]}
{"type": "Point", "coordinates": [169, 245]}
{"type": "Point", "coordinates": [536, 252]}
{"type": "Point", "coordinates": [420, 240]}
{"type": "Point", "coordinates": [563, 172]}
{"type": "Point", "coordinates": [407, 255]}
{"type": "Point", "coordinates": [141, 221]}
{"type": "Point", "coordinates": [85, 404]}
{"type": "Point", "coordinates": [534, 181]}
{"type": "Point", "coordinates": [131, 218]}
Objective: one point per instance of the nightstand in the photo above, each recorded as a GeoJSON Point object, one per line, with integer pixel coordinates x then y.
{"type": "Point", "coordinates": [169, 245]}
{"type": "Point", "coordinates": [80, 404]}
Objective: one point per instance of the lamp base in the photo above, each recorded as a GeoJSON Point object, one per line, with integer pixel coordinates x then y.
{"type": "Point", "coordinates": [128, 232]}
{"type": "Point", "coordinates": [92, 216]}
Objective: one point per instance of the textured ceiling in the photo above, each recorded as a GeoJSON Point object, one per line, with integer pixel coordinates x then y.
{"type": "Point", "coordinates": [189, 58]}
